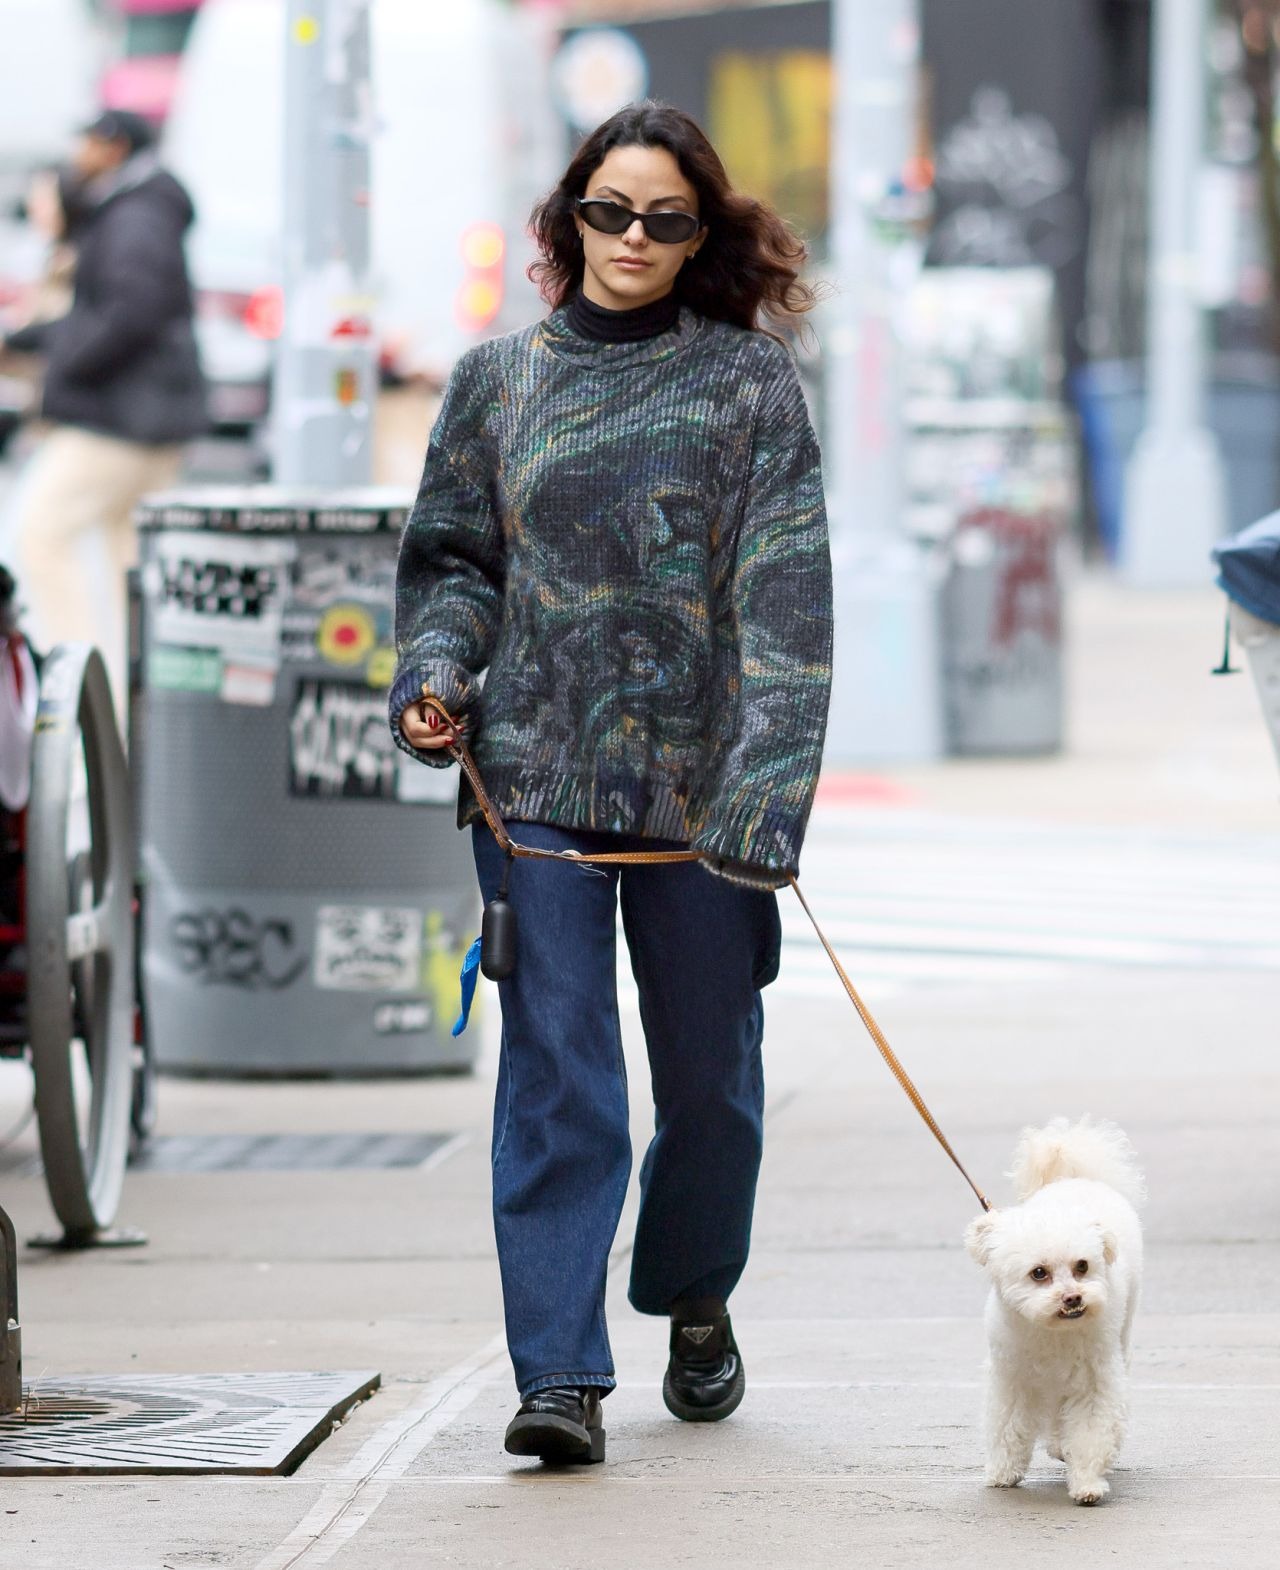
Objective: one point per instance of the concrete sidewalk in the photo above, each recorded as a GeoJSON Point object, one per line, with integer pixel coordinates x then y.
{"type": "Point", "coordinates": [860, 1316]}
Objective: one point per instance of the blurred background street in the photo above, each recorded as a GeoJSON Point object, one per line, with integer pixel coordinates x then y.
{"type": "Point", "coordinates": [1046, 844]}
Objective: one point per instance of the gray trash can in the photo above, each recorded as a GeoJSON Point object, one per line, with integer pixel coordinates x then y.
{"type": "Point", "coordinates": [306, 897]}
{"type": "Point", "coordinates": [1002, 635]}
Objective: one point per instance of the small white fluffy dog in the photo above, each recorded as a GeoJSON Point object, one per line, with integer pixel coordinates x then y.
{"type": "Point", "coordinates": [1065, 1267]}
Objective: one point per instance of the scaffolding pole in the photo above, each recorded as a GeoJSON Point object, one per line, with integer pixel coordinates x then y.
{"type": "Point", "coordinates": [1175, 502]}
{"type": "Point", "coordinates": [326, 368]}
{"type": "Point", "coordinates": [886, 691]}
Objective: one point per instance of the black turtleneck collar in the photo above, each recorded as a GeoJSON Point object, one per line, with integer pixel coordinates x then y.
{"type": "Point", "coordinates": [596, 322]}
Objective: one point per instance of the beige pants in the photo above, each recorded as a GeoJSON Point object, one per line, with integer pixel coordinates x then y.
{"type": "Point", "coordinates": [79, 484]}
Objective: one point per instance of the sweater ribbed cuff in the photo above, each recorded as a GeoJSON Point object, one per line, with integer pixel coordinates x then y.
{"type": "Point", "coordinates": [745, 876]}
{"type": "Point", "coordinates": [751, 847]}
{"type": "Point", "coordinates": [449, 683]}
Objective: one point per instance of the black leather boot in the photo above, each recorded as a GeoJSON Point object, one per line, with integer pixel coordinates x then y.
{"type": "Point", "coordinates": [558, 1425]}
{"type": "Point", "coordinates": [705, 1377]}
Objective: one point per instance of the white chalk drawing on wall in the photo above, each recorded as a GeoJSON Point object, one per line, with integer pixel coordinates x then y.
{"type": "Point", "coordinates": [1005, 187]}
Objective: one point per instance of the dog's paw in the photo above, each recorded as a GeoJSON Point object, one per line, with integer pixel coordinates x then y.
{"type": "Point", "coordinates": [1054, 1451]}
{"type": "Point", "coordinates": [1003, 1477]}
{"type": "Point", "coordinates": [1090, 1491]}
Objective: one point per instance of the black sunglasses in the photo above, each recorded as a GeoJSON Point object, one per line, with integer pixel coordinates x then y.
{"type": "Point", "coordinates": [667, 228]}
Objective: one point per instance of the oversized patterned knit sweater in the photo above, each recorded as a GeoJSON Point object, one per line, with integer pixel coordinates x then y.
{"type": "Point", "coordinates": [631, 539]}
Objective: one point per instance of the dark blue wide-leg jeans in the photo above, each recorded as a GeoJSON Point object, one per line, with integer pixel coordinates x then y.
{"type": "Point", "coordinates": [701, 950]}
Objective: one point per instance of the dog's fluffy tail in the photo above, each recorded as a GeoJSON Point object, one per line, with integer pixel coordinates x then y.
{"type": "Point", "coordinates": [1091, 1148]}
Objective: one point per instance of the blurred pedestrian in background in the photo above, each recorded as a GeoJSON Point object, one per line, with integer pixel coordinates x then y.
{"type": "Point", "coordinates": [122, 386]}
{"type": "Point", "coordinates": [621, 518]}
{"type": "Point", "coordinates": [53, 209]}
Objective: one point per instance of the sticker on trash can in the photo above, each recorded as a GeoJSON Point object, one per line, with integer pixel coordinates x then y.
{"type": "Point", "coordinates": [368, 948]}
{"type": "Point", "coordinates": [346, 635]}
{"type": "Point", "coordinates": [224, 597]}
{"type": "Point", "coordinates": [249, 681]}
{"type": "Point", "coordinates": [174, 669]}
{"type": "Point", "coordinates": [329, 571]}
{"type": "Point", "coordinates": [339, 609]}
{"type": "Point", "coordinates": [401, 1019]}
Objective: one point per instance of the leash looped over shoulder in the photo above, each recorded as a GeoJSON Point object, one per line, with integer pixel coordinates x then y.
{"type": "Point", "coordinates": [459, 750]}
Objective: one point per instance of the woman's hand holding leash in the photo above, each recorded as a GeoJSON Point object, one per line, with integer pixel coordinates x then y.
{"type": "Point", "coordinates": [422, 726]}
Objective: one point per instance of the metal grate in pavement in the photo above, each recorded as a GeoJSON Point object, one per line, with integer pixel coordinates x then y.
{"type": "Point", "coordinates": [286, 1152]}
{"type": "Point", "coordinates": [254, 1424]}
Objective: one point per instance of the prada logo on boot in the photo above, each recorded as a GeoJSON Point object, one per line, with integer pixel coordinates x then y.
{"type": "Point", "coordinates": [697, 1333]}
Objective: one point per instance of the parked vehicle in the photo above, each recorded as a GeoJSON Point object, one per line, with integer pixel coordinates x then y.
{"type": "Point", "coordinates": [465, 140]}
{"type": "Point", "coordinates": [1249, 575]}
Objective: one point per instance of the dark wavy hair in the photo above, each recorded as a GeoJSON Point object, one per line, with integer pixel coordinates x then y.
{"type": "Point", "coordinates": [747, 269]}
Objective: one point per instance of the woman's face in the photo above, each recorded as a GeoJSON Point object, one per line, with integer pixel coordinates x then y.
{"type": "Point", "coordinates": [627, 270]}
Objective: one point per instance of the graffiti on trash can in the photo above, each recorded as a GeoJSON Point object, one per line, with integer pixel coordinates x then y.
{"type": "Point", "coordinates": [225, 595]}
{"type": "Point", "coordinates": [1002, 621]}
{"type": "Point", "coordinates": [340, 742]}
{"type": "Point", "coordinates": [221, 588]}
{"type": "Point", "coordinates": [1027, 600]}
{"type": "Point", "coordinates": [232, 948]}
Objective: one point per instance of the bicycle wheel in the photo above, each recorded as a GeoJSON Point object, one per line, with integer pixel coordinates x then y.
{"type": "Point", "coordinates": [80, 976]}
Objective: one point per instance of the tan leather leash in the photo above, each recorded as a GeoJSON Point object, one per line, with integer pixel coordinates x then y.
{"type": "Point", "coordinates": [459, 750]}
{"type": "Point", "coordinates": [886, 1051]}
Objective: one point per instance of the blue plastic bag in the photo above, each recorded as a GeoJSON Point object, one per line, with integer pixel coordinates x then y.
{"type": "Point", "coordinates": [470, 970]}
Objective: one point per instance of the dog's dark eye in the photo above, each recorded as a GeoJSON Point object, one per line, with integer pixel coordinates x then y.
{"type": "Point", "coordinates": [1082, 1267]}
{"type": "Point", "coordinates": [1039, 1274]}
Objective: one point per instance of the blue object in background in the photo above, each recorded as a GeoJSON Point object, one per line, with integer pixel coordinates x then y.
{"type": "Point", "coordinates": [1243, 413]}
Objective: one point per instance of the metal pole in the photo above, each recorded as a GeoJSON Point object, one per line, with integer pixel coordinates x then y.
{"type": "Point", "coordinates": [885, 702]}
{"type": "Point", "coordinates": [874, 60]}
{"type": "Point", "coordinates": [326, 372]}
{"type": "Point", "coordinates": [1175, 503]}
{"type": "Point", "coordinates": [10, 1332]}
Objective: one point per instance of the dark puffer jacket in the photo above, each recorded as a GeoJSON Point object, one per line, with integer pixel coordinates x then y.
{"type": "Point", "coordinates": [123, 360]}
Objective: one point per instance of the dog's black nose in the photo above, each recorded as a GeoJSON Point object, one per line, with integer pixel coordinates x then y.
{"type": "Point", "coordinates": [1072, 1302]}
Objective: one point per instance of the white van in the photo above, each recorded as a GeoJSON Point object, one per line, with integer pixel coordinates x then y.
{"type": "Point", "coordinates": [467, 139]}
{"type": "Point", "coordinates": [49, 56]}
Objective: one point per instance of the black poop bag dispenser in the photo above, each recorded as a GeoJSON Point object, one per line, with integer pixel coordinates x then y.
{"type": "Point", "coordinates": [498, 932]}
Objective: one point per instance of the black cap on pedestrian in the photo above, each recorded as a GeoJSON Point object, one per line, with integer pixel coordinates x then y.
{"type": "Point", "coordinates": [122, 125]}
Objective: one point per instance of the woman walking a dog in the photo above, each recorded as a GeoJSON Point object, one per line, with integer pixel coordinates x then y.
{"type": "Point", "coordinates": [621, 519]}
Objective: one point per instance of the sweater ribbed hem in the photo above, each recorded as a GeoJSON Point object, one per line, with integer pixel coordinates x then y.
{"type": "Point", "coordinates": [755, 849]}
{"type": "Point", "coordinates": [618, 805]}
